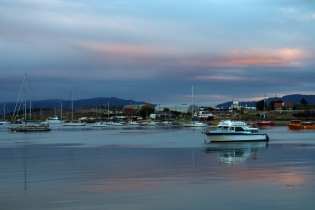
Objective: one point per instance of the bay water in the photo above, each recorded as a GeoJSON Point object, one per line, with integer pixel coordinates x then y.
{"type": "Point", "coordinates": [154, 168]}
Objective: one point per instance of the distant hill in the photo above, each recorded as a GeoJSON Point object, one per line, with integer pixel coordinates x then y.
{"type": "Point", "coordinates": [295, 98]}
{"type": "Point", "coordinates": [56, 103]}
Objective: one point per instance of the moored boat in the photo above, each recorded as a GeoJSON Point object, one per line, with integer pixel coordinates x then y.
{"type": "Point", "coordinates": [194, 124]}
{"type": "Point", "coordinates": [99, 124]}
{"type": "Point", "coordinates": [31, 127]}
{"type": "Point", "coordinates": [54, 120]}
{"type": "Point", "coordinates": [298, 125]}
{"type": "Point", "coordinates": [73, 122]}
{"type": "Point", "coordinates": [266, 123]}
{"type": "Point", "coordinates": [148, 123]}
{"type": "Point", "coordinates": [4, 121]}
{"type": "Point", "coordinates": [132, 123]}
{"type": "Point", "coordinates": [28, 125]}
{"type": "Point", "coordinates": [230, 131]}
{"type": "Point", "coordinates": [114, 123]}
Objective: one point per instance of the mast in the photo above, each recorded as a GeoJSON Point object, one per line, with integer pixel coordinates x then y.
{"type": "Point", "coordinates": [30, 110]}
{"type": "Point", "coordinates": [264, 106]}
{"type": "Point", "coordinates": [61, 111]}
{"type": "Point", "coordinates": [24, 99]}
{"type": "Point", "coordinates": [192, 100]}
{"type": "Point", "coordinates": [72, 106]}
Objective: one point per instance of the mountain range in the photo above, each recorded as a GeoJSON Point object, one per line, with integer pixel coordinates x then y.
{"type": "Point", "coordinates": [113, 101]}
{"type": "Point", "coordinates": [295, 98]}
{"type": "Point", "coordinates": [66, 104]}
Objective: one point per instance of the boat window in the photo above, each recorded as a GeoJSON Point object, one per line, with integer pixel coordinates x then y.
{"type": "Point", "coordinates": [231, 129]}
{"type": "Point", "coordinates": [239, 129]}
{"type": "Point", "coordinates": [223, 128]}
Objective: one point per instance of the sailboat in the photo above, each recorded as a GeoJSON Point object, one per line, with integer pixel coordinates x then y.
{"type": "Point", "coordinates": [193, 123]}
{"type": "Point", "coordinates": [72, 122]}
{"type": "Point", "coordinates": [4, 121]}
{"type": "Point", "coordinates": [28, 127]}
{"type": "Point", "coordinates": [265, 122]}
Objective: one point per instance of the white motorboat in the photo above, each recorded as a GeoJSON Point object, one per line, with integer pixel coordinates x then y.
{"type": "Point", "coordinates": [54, 120]}
{"type": "Point", "coordinates": [229, 131]}
{"type": "Point", "coordinates": [194, 124]}
{"type": "Point", "coordinates": [99, 124]}
{"type": "Point", "coordinates": [74, 123]}
{"type": "Point", "coordinates": [148, 123]}
{"type": "Point", "coordinates": [132, 123]}
{"type": "Point", "coordinates": [114, 123]}
{"type": "Point", "coordinates": [165, 123]}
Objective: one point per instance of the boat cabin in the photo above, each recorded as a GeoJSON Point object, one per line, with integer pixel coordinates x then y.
{"type": "Point", "coordinates": [236, 126]}
{"type": "Point", "coordinates": [296, 122]}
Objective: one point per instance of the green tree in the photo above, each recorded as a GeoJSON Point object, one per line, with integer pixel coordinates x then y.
{"type": "Point", "coordinates": [260, 105]}
{"type": "Point", "coordinates": [303, 102]}
{"type": "Point", "coordinates": [146, 110]}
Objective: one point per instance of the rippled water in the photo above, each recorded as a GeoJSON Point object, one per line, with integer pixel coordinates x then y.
{"type": "Point", "coordinates": [154, 168]}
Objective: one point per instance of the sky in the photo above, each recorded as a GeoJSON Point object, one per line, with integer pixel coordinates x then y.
{"type": "Point", "coordinates": [156, 51]}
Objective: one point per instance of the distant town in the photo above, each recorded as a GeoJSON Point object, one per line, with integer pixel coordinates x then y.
{"type": "Point", "coordinates": [119, 108]}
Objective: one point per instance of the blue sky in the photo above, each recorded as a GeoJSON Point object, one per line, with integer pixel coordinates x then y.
{"type": "Point", "coordinates": [155, 51]}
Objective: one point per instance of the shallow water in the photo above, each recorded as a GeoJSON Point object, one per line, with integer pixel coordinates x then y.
{"type": "Point", "coordinates": [154, 168]}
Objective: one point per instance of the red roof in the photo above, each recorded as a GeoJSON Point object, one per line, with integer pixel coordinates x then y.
{"type": "Point", "coordinates": [283, 105]}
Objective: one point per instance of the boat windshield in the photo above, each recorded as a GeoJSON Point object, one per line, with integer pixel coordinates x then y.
{"type": "Point", "coordinates": [239, 129]}
{"type": "Point", "coordinates": [223, 128]}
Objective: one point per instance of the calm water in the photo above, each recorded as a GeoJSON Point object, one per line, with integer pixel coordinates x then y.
{"type": "Point", "coordinates": [154, 168]}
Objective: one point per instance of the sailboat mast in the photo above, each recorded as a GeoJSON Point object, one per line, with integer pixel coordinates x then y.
{"type": "Point", "coordinates": [24, 98]}
{"type": "Point", "coordinates": [264, 106]}
{"type": "Point", "coordinates": [61, 111]}
{"type": "Point", "coordinates": [72, 106]}
{"type": "Point", "coordinates": [192, 101]}
{"type": "Point", "coordinates": [30, 110]}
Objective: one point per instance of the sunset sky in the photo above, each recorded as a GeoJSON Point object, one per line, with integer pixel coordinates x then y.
{"type": "Point", "coordinates": [154, 51]}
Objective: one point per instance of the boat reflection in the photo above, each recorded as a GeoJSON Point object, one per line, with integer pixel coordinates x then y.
{"type": "Point", "coordinates": [235, 153]}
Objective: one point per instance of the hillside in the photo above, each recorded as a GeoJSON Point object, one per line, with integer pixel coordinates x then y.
{"type": "Point", "coordinates": [66, 104]}
{"type": "Point", "coordinates": [113, 101]}
{"type": "Point", "coordinates": [295, 98]}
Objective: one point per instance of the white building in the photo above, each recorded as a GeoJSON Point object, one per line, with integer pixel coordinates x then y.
{"type": "Point", "coordinates": [184, 108]}
{"type": "Point", "coordinates": [237, 106]}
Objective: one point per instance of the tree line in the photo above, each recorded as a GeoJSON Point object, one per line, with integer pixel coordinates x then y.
{"type": "Point", "coordinates": [262, 104]}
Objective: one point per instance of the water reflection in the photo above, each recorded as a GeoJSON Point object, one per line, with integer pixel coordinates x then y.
{"type": "Point", "coordinates": [235, 153]}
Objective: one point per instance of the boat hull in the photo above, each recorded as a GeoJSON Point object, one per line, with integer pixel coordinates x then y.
{"type": "Point", "coordinates": [233, 137]}
{"type": "Point", "coordinates": [266, 123]}
{"type": "Point", "coordinates": [74, 124]}
{"type": "Point", "coordinates": [99, 125]}
{"type": "Point", "coordinates": [195, 124]}
{"type": "Point", "coordinates": [300, 127]}
{"type": "Point", "coordinates": [30, 128]}
{"type": "Point", "coordinates": [297, 125]}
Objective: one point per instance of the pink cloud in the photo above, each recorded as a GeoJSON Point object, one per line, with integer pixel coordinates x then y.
{"type": "Point", "coordinates": [127, 50]}
{"type": "Point", "coordinates": [277, 57]}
